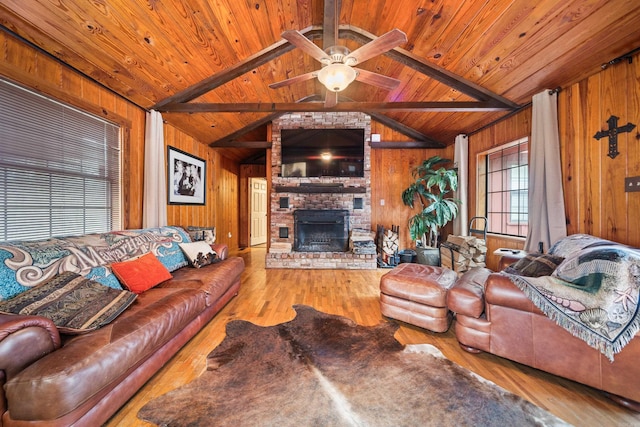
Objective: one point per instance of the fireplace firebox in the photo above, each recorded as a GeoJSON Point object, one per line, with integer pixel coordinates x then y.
{"type": "Point", "coordinates": [321, 230]}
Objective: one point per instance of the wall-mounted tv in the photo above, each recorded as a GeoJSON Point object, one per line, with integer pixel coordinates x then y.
{"type": "Point", "coordinates": [322, 152]}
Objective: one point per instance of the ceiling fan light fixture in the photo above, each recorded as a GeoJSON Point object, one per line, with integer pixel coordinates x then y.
{"type": "Point", "coordinates": [336, 77]}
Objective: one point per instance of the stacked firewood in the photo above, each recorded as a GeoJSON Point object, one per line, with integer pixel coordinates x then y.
{"type": "Point", "coordinates": [361, 242]}
{"type": "Point", "coordinates": [461, 253]}
{"type": "Point", "coordinates": [388, 243]}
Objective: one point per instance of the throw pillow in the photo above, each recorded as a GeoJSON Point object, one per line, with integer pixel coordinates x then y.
{"type": "Point", "coordinates": [535, 265]}
{"type": "Point", "coordinates": [569, 245]}
{"type": "Point", "coordinates": [141, 273]}
{"type": "Point", "coordinates": [590, 268]}
{"type": "Point", "coordinates": [74, 303]}
{"type": "Point", "coordinates": [199, 253]}
{"type": "Point", "coordinates": [208, 234]}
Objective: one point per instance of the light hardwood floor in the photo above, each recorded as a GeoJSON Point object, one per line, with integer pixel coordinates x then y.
{"type": "Point", "coordinates": [266, 298]}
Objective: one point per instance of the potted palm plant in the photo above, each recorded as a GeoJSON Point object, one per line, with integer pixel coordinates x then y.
{"type": "Point", "coordinates": [430, 192]}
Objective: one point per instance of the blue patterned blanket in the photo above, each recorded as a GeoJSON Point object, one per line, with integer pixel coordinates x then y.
{"type": "Point", "coordinates": [26, 264]}
{"type": "Point", "coordinates": [593, 294]}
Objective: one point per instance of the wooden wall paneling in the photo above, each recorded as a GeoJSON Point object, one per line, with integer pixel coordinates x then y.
{"type": "Point", "coordinates": [227, 203]}
{"type": "Point", "coordinates": [219, 193]}
{"type": "Point", "coordinates": [48, 70]}
{"type": "Point", "coordinates": [568, 107]}
{"type": "Point", "coordinates": [136, 173]}
{"type": "Point", "coordinates": [614, 102]}
{"type": "Point", "coordinates": [582, 149]}
{"type": "Point", "coordinates": [592, 172]}
{"type": "Point", "coordinates": [594, 184]}
{"type": "Point", "coordinates": [633, 156]}
{"type": "Point", "coordinates": [269, 173]}
{"type": "Point", "coordinates": [390, 174]}
{"type": "Point", "coordinates": [244, 229]}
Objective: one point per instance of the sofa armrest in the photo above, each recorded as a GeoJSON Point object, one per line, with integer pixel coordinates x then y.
{"type": "Point", "coordinates": [501, 291]}
{"type": "Point", "coordinates": [506, 260]}
{"type": "Point", "coordinates": [467, 295]}
{"type": "Point", "coordinates": [221, 249]}
{"type": "Point", "coordinates": [25, 339]}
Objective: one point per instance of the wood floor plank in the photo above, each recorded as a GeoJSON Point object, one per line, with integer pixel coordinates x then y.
{"type": "Point", "coordinates": [266, 298]}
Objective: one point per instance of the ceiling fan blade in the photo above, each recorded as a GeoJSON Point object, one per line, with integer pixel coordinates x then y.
{"type": "Point", "coordinates": [376, 79]}
{"type": "Point", "coordinates": [301, 42]}
{"type": "Point", "coordinates": [292, 80]}
{"type": "Point", "coordinates": [331, 99]}
{"type": "Point", "coordinates": [382, 44]}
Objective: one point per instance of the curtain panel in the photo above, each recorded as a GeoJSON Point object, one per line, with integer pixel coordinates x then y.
{"type": "Point", "coordinates": [547, 218]}
{"type": "Point", "coordinates": [154, 205]}
{"type": "Point", "coordinates": [461, 161]}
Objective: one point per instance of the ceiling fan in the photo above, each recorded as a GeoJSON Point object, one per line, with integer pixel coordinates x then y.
{"type": "Point", "coordinates": [337, 61]}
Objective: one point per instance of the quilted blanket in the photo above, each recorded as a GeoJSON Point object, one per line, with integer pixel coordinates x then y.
{"type": "Point", "coordinates": [593, 294]}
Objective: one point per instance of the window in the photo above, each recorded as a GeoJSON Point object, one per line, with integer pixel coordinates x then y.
{"type": "Point", "coordinates": [503, 188]}
{"type": "Point", "coordinates": [59, 168]}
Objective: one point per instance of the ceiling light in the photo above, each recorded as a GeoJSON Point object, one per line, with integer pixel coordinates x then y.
{"type": "Point", "coordinates": [336, 77]}
{"type": "Point", "coordinates": [326, 156]}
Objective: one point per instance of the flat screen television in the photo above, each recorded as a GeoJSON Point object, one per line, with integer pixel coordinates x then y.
{"type": "Point", "coordinates": [322, 152]}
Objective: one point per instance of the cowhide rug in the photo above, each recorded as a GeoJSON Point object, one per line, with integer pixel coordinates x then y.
{"type": "Point", "coordinates": [325, 370]}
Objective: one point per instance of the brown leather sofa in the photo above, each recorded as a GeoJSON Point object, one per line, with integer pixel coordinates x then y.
{"type": "Point", "coordinates": [494, 316]}
{"type": "Point", "coordinates": [51, 379]}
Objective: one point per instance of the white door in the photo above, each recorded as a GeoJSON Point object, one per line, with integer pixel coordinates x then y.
{"type": "Point", "coordinates": [258, 210]}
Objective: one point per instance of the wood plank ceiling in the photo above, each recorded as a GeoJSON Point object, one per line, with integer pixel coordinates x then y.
{"type": "Point", "coordinates": [208, 63]}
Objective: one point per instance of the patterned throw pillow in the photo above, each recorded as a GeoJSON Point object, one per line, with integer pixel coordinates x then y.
{"type": "Point", "coordinates": [207, 234]}
{"type": "Point", "coordinates": [588, 268]}
{"type": "Point", "coordinates": [199, 253]}
{"type": "Point", "coordinates": [141, 273]}
{"type": "Point", "coordinates": [74, 303]}
{"type": "Point", "coordinates": [535, 265]}
{"type": "Point", "coordinates": [569, 245]}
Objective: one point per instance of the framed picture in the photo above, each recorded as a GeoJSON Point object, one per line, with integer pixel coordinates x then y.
{"type": "Point", "coordinates": [186, 176]}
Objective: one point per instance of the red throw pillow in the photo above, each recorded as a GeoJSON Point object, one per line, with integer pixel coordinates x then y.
{"type": "Point", "coordinates": [142, 273]}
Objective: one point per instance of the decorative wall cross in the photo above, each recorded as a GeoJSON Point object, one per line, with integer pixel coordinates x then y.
{"type": "Point", "coordinates": [612, 133]}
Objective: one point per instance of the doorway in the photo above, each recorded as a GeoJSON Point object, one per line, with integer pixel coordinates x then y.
{"type": "Point", "coordinates": [258, 211]}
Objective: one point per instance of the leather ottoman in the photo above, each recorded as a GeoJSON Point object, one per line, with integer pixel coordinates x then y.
{"type": "Point", "coordinates": [417, 294]}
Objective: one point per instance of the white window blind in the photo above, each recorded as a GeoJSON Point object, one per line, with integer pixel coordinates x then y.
{"type": "Point", "coordinates": [59, 168]}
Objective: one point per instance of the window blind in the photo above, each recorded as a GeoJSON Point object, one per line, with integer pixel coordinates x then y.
{"type": "Point", "coordinates": [59, 168]}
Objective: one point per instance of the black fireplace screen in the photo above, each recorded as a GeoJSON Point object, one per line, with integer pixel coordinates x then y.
{"type": "Point", "coordinates": [321, 230]}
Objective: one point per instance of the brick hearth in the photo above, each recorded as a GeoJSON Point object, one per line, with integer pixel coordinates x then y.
{"type": "Point", "coordinates": [354, 195]}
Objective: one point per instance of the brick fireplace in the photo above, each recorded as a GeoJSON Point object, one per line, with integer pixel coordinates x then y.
{"type": "Point", "coordinates": [351, 196]}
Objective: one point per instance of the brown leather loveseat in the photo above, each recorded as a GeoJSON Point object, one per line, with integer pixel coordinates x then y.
{"type": "Point", "coordinates": [53, 379]}
{"type": "Point", "coordinates": [493, 315]}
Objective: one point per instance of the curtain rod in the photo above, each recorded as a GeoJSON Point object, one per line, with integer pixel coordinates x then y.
{"type": "Point", "coordinates": [628, 56]}
{"type": "Point", "coordinates": [511, 113]}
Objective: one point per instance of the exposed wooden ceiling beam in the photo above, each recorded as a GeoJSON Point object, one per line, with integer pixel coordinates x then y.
{"type": "Point", "coordinates": [407, 131]}
{"type": "Point", "coordinates": [329, 24]}
{"type": "Point", "coordinates": [379, 144]}
{"type": "Point", "coordinates": [401, 144]}
{"type": "Point", "coordinates": [230, 140]}
{"type": "Point", "coordinates": [242, 144]}
{"type": "Point", "coordinates": [234, 71]}
{"type": "Point", "coordinates": [293, 107]}
{"type": "Point", "coordinates": [442, 75]}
